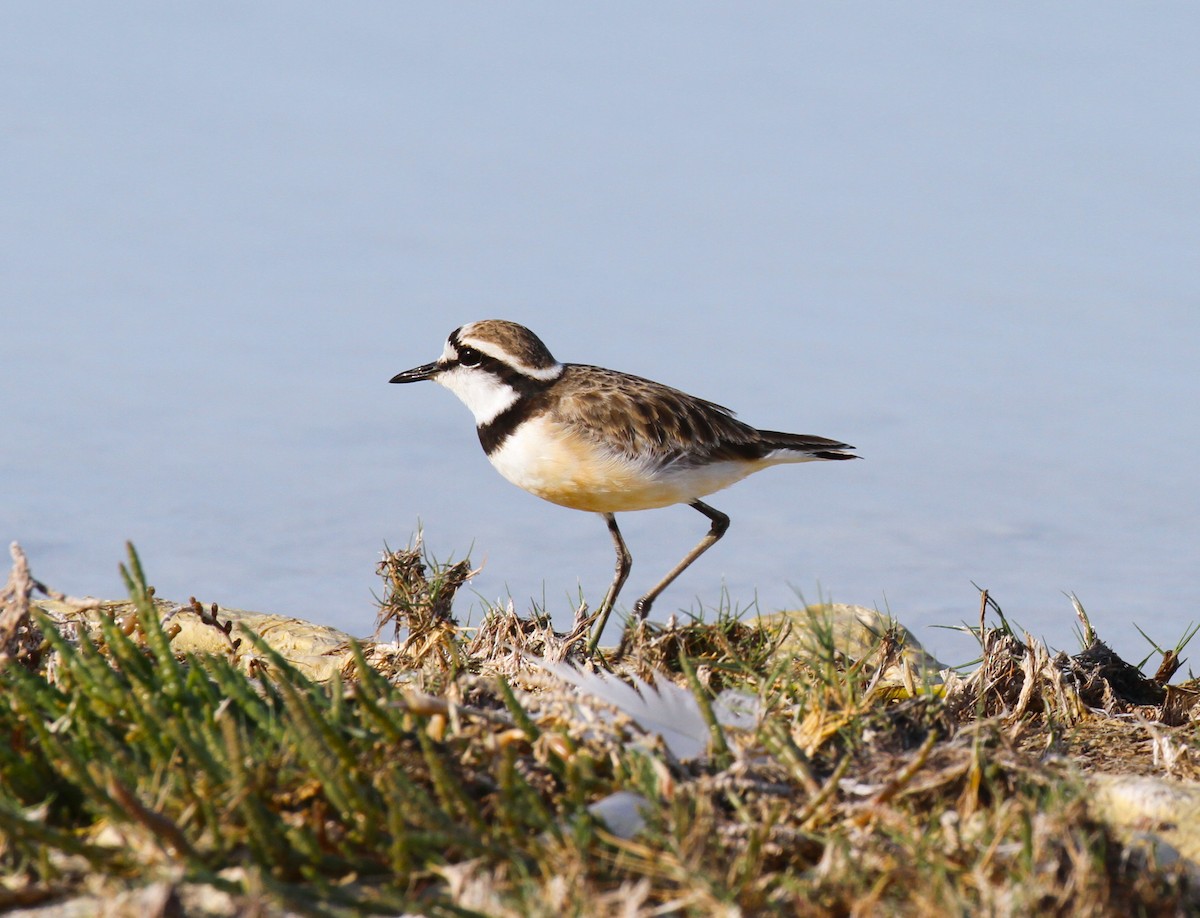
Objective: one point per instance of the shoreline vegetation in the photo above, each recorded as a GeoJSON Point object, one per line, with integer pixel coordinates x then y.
{"type": "Point", "coordinates": [168, 759]}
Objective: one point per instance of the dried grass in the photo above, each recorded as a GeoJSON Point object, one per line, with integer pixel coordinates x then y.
{"type": "Point", "coordinates": [451, 771]}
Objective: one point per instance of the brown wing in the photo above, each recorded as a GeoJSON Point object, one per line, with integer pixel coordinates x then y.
{"type": "Point", "coordinates": [645, 419]}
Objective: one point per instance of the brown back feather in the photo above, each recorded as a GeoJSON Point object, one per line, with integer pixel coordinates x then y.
{"type": "Point", "coordinates": [640, 417]}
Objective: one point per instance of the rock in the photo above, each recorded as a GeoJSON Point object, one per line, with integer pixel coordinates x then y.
{"type": "Point", "coordinates": [317, 651]}
{"type": "Point", "coordinates": [1158, 813]}
{"type": "Point", "coordinates": [855, 631]}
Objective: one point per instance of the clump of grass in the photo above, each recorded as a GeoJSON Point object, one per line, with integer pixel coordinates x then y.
{"type": "Point", "coordinates": [127, 760]}
{"type": "Point", "coordinates": [420, 604]}
{"type": "Point", "coordinates": [20, 639]}
{"type": "Point", "coordinates": [847, 792]}
{"type": "Point", "coordinates": [1018, 677]}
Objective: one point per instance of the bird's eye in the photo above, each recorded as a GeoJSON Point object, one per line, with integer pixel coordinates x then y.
{"type": "Point", "coordinates": [469, 357]}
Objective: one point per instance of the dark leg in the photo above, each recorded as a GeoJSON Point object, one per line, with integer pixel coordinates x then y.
{"type": "Point", "coordinates": [720, 522]}
{"type": "Point", "coordinates": [624, 562]}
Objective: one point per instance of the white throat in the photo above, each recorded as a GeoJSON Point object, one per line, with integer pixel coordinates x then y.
{"type": "Point", "coordinates": [483, 393]}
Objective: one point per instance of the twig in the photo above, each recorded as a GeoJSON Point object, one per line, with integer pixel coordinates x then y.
{"type": "Point", "coordinates": [209, 617]}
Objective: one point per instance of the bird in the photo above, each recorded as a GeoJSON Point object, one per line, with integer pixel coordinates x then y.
{"type": "Point", "coordinates": [604, 441]}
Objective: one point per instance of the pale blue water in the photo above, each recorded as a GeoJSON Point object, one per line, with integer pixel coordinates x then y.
{"type": "Point", "coordinates": [962, 237]}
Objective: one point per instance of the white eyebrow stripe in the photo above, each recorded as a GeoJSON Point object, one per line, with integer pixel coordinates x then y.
{"type": "Point", "coordinates": [544, 374]}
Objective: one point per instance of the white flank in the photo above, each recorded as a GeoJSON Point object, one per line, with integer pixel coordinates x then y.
{"type": "Point", "coordinates": [782, 456]}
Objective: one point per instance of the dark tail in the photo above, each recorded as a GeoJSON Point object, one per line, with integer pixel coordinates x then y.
{"type": "Point", "coordinates": [817, 447]}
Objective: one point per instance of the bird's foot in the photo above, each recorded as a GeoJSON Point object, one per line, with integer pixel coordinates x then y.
{"type": "Point", "coordinates": [641, 608]}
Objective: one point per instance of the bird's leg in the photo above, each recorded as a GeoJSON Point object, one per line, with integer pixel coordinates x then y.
{"type": "Point", "coordinates": [720, 523]}
{"type": "Point", "coordinates": [624, 562]}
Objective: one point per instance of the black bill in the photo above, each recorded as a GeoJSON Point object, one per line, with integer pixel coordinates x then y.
{"type": "Point", "coordinates": [416, 374]}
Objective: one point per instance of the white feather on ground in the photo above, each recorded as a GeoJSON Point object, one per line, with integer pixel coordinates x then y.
{"type": "Point", "coordinates": [661, 707]}
{"type": "Point", "coordinates": [621, 812]}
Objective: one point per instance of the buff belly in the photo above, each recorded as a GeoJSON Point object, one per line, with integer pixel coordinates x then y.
{"type": "Point", "coordinates": [546, 460]}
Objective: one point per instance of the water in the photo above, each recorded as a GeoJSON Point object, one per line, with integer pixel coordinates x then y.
{"type": "Point", "coordinates": [962, 238]}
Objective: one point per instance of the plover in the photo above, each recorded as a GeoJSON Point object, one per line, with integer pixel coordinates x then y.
{"type": "Point", "coordinates": [599, 440]}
